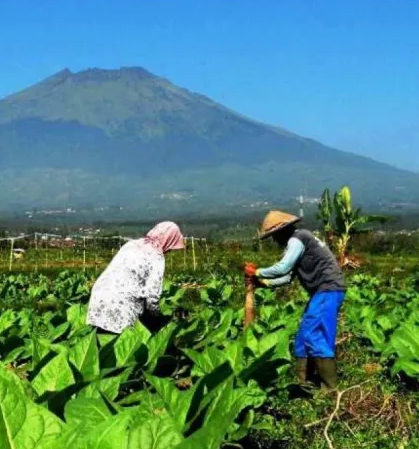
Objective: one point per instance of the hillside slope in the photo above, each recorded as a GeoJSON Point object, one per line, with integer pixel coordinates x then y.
{"type": "Point", "coordinates": [127, 137]}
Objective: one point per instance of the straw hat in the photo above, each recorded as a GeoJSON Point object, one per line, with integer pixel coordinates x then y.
{"type": "Point", "coordinates": [274, 221]}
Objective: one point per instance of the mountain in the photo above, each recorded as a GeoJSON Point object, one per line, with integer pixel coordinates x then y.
{"type": "Point", "coordinates": [127, 137]}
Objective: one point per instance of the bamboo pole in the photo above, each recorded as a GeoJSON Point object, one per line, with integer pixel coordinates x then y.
{"type": "Point", "coordinates": [46, 253]}
{"type": "Point", "coordinates": [193, 254]}
{"type": "Point", "coordinates": [36, 252]}
{"type": "Point", "coordinates": [185, 242]}
{"type": "Point", "coordinates": [95, 249]}
{"type": "Point", "coordinates": [12, 244]}
{"type": "Point", "coordinates": [84, 253]}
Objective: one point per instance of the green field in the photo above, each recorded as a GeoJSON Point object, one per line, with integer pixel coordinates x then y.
{"type": "Point", "coordinates": [225, 256]}
{"type": "Point", "coordinates": [201, 381]}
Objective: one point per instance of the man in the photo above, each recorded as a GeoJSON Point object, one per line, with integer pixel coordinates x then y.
{"type": "Point", "coordinates": [312, 262]}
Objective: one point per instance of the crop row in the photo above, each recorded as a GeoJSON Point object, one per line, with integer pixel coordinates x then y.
{"type": "Point", "coordinates": [200, 381]}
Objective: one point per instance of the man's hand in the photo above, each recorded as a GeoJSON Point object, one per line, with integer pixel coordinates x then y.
{"type": "Point", "coordinates": [250, 277]}
{"type": "Point", "coordinates": [250, 269]}
{"type": "Point", "coordinates": [256, 282]}
{"type": "Point", "coordinates": [260, 283]}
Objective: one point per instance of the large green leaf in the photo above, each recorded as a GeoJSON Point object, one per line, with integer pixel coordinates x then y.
{"type": "Point", "coordinates": [82, 436]}
{"type": "Point", "coordinates": [159, 432]}
{"type": "Point", "coordinates": [7, 320]}
{"type": "Point", "coordinates": [225, 391]}
{"type": "Point", "coordinates": [205, 361]}
{"type": "Point", "coordinates": [59, 331]}
{"type": "Point", "coordinates": [193, 333]}
{"type": "Point", "coordinates": [374, 334]}
{"type": "Point", "coordinates": [158, 344]}
{"type": "Point", "coordinates": [84, 356]}
{"type": "Point", "coordinates": [104, 339]}
{"type": "Point", "coordinates": [23, 424]}
{"type": "Point", "coordinates": [130, 343]}
{"type": "Point", "coordinates": [279, 340]}
{"type": "Point", "coordinates": [176, 402]}
{"type": "Point", "coordinates": [254, 395]}
{"type": "Point", "coordinates": [88, 411]}
{"type": "Point", "coordinates": [410, 367]}
{"type": "Point", "coordinates": [54, 376]}
{"type": "Point", "coordinates": [385, 322]}
{"type": "Point", "coordinates": [206, 389]}
{"type": "Point", "coordinates": [219, 418]}
{"type": "Point", "coordinates": [12, 356]}
{"type": "Point", "coordinates": [76, 316]}
{"type": "Point", "coordinates": [234, 353]}
{"type": "Point", "coordinates": [131, 430]}
{"type": "Point", "coordinates": [40, 348]}
{"type": "Point", "coordinates": [82, 415]}
{"type": "Point", "coordinates": [244, 428]}
{"type": "Point", "coordinates": [405, 342]}
{"type": "Point", "coordinates": [250, 341]}
{"type": "Point", "coordinates": [219, 334]}
{"type": "Point", "coordinates": [145, 398]}
{"type": "Point", "coordinates": [108, 387]}
{"type": "Point", "coordinates": [70, 438]}
{"type": "Point", "coordinates": [110, 434]}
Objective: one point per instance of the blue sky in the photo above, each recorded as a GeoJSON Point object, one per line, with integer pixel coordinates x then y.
{"type": "Point", "coordinates": [345, 72]}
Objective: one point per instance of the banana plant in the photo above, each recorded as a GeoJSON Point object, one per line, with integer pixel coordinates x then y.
{"type": "Point", "coordinates": [341, 220]}
{"type": "Point", "coordinates": [325, 215]}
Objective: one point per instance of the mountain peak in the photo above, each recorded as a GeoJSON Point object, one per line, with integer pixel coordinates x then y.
{"type": "Point", "coordinates": [99, 75]}
{"type": "Point", "coordinates": [58, 77]}
{"type": "Point", "coordinates": [131, 124]}
{"type": "Point", "coordinates": [95, 74]}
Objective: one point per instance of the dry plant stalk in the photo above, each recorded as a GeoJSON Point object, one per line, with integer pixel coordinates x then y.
{"type": "Point", "coordinates": [336, 411]}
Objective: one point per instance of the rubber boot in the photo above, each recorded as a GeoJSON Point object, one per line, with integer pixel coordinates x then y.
{"type": "Point", "coordinates": [327, 371]}
{"type": "Point", "coordinates": [304, 369]}
{"type": "Point", "coordinates": [301, 368]}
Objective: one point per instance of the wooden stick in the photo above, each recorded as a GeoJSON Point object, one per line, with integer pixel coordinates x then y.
{"type": "Point", "coordinates": [84, 253]}
{"type": "Point", "coordinates": [193, 254]}
{"type": "Point", "coordinates": [185, 242]}
{"type": "Point", "coordinates": [249, 307]}
{"type": "Point", "coordinates": [12, 244]}
{"type": "Point", "coordinates": [46, 253]}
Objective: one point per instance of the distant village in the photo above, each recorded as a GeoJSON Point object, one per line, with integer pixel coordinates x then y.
{"type": "Point", "coordinates": [69, 211]}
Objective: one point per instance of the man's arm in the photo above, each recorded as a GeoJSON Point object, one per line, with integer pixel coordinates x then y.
{"type": "Point", "coordinates": [295, 249]}
{"type": "Point", "coordinates": [277, 282]}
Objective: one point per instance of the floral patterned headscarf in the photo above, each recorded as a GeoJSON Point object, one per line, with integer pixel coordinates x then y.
{"type": "Point", "coordinates": [166, 236]}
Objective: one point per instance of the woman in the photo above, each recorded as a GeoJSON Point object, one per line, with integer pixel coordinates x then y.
{"type": "Point", "coordinates": [131, 285]}
{"type": "Point", "coordinates": [312, 262]}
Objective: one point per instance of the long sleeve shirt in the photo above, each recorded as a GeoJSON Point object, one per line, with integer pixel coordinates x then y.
{"type": "Point", "coordinates": [132, 282]}
{"type": "Point", "coordinates": [310, 260]}
{"type": "Point", "coordinates": [282, 272]}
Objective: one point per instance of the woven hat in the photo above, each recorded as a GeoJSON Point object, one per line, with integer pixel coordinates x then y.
{"type": "Point", "coordinates": [274, 221]}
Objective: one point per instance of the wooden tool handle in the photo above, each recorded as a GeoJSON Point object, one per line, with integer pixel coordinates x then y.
{"type": "Point", "coordinates": [249, 307]}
